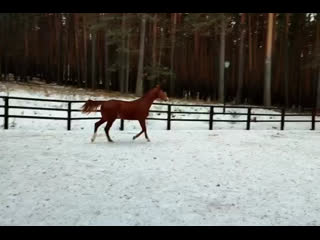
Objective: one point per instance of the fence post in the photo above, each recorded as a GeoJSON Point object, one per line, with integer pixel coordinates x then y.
{"type": "Point", "coordinates": [69, 116]}
{"type": "Point", "coordinates": [282, 118]}
{"type": "Point", "coordinates": [313, 121]}
{"type": "Point", "coordinates": [6, 112]}
{"type": "Point", "coordinates": [121, 125]}
{"type": "Point", "coordinates": [248, 118]}
{"type": "Point", "coordinates": [169, 117]}
{"type": "Point", "coordinates": [211, 118]}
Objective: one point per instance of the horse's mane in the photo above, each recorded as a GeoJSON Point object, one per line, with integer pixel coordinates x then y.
{"type": "Point", "coordinates": [149, 93]}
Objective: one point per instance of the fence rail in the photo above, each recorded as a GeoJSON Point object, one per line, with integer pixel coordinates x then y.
{"type": "Point", "coordinates": [211, 113]}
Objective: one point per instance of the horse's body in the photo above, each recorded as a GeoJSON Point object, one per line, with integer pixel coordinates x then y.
{"type": "Point", "coordinates": [128, 110]}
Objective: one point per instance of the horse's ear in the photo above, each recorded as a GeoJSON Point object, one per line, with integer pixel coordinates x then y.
{"type": "Point", "coordinates": [161, 84]}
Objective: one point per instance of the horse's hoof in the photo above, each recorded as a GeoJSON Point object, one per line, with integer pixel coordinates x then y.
{"type": "Point", "coordinates": [148, 140]}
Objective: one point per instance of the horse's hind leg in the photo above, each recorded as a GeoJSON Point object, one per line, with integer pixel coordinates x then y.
{"type": "Point", "coordinates": [107, 128]}
{"type": "Point", "coordinates": [96, 126]}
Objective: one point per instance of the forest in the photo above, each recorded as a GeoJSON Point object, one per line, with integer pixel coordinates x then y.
{"type": "Point", "coordinates": [269, 59]}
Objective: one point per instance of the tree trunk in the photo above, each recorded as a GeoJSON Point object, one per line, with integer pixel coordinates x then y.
{"type": "Point", "coordinates": [317, 65]}
{"type": "Point", "coordinates": [1, 47]}
{"type": "Point", "coordinates": [47, 53]}
{"type": "Point", "coordinates": [250, 43]}
{"type": "Point", "coordinates": [93, 60]}
{"type": "Point", "coordinates": [65, 53]}
{"type": "Point", "coordinates": [318, 91]}
{"type": "Point", "coordinates": [2, 43]}
{"type": "Point", "coordinates": [126, 85]}
{"type": "Point", "coordinates": [241, 59]}
{"type": "Point", "coordinates": [77, 60]}
{"type": "Point", "coordinates": [26, 52]}
{"type": "Point", "coordinates": [222, 59]}
{"type": "Point", "coordinates": [58, 50]}
{"type": "Point", "coordinates": [160, 48]}
{"type": "Point", "coordinates": [139, 86]}
{"type": "Point", "coordinates": [267, 76]}
{"type": "Point", "coordinates": [286, 62]}
{"type": "Point", "coordinates": [85, 52]}
{"type": "Point", "coordinates": [62, 53]}
{"type": "Point", "coordinates": [100, 57]}
{"type": "Point", "coordinates": [154, 47]}
{"type": "Point", "coordinates": [106, 62]}
{"type": "Point", "coordinates": [122, 54]}
{"type": "Point", "coordinates": [1, 60]}
{"type": "Point", "coordinates": [250, 46]}
{"type": "Point", "coordinates": [173, 41]}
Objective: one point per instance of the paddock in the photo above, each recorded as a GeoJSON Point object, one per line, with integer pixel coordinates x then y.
{"type": "Point", "coordinates": [181, 177]}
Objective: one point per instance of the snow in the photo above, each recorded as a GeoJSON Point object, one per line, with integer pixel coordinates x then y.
{"type": "Point", "coordinates": [186, 176]}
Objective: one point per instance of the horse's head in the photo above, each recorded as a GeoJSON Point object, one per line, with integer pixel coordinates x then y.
{"type": "Point", "coordinates": [161, 94]}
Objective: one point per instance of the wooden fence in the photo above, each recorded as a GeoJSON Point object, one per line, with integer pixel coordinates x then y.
{"type": "Point", "coordinates": [211, 113]}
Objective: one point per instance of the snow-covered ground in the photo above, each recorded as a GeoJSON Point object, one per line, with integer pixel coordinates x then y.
{"type": "Point", "coordinates": [186, 176]}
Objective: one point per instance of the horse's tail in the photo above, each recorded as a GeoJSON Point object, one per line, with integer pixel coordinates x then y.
{"type": "Point", "coordinates": [91, 106]}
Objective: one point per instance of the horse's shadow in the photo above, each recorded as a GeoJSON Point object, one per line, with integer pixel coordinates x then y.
{"type": "Point", "coordinates": [120, 142]}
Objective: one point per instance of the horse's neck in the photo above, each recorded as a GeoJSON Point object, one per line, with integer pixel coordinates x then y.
{"type": "Point", "coordinates": [147, 100]}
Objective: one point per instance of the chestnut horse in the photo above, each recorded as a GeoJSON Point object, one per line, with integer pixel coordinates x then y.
{"type": "Point", "coordinates": [133, 110]}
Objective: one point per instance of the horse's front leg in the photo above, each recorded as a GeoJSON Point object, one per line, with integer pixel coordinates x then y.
{"type": "Point", "coordinates": [137, 135]}
{"type": "Point", "coordinates": [144, 129]}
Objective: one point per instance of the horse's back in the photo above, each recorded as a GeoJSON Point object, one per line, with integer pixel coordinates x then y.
{"type": "Point", "coordinates": [119, 109]}
{"type": "Point", "coordinates": [110, 107]}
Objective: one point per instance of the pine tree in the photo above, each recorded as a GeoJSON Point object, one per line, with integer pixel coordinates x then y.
{"type": "Point", "coordinates": [267, 77]}
{"type": "Point", "coordinates": [139, 84]}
